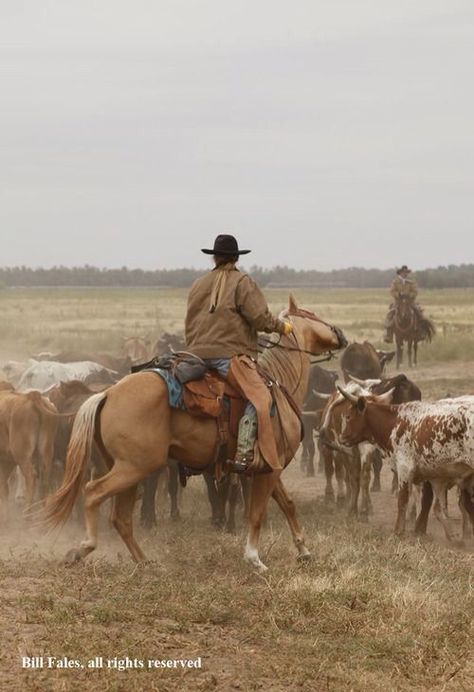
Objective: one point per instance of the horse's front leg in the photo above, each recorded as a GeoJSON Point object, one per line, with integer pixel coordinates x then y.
{"type": "Point", "coordinates": [263, 486]}
{"type": "Point", "coordinates": [415, 353]}
{"type": "Point", "coordinates": [409, 349]}
{"type": "Point", "coordinates": [287, 506]}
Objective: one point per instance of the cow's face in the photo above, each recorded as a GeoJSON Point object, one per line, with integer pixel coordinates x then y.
{"type": "Point", "coordinates": [355, 426]}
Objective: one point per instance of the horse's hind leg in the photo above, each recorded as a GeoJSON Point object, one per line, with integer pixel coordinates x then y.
{"type": "Point", "coordinates": [122, 519]}
{"type": "Point", "coordinates": [287, 506]}
{"type": "Point", "coordinates": [262, 488]}
{"type": "Point", "coordinates": [119, 479]}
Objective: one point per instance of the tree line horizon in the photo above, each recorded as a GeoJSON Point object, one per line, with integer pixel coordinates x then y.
{"type": "Point", "coordinates": [451, 276]}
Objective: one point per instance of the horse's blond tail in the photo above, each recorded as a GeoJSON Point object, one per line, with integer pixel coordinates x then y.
{"type": "Point", "coordinates": [59, 505]}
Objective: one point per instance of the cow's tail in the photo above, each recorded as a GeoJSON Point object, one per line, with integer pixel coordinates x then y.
{"type": "Point", "coordinates": [59, 506]}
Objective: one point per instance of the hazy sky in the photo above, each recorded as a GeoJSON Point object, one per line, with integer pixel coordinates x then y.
{"type": "Point", "coordinates": [322, 134]}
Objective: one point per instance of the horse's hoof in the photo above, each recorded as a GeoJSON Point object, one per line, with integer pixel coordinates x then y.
{"type": "Point", "coordinates": [176, 516]}
{"type": "Point", "coordinates": [310, 473]}
{"type": "Point", "coordinates": [304, 558]}
{"type": "Point", "coordinates": [72, 557]}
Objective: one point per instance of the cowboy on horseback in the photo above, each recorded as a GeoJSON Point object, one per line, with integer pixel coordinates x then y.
{"type": "Point", "coordinates": [402, 288]}
{"type": "Point", "coordinates": [226, 310]}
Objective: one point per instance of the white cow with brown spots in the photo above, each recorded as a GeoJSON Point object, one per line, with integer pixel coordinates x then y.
{"type": "Point", "coordinates": [426, 441]}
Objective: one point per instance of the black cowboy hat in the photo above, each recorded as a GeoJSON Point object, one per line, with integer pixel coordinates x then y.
{"type": "Point", "coordinates": [403, 269]}
{"type": "Point", "coordinates": [225, 245]}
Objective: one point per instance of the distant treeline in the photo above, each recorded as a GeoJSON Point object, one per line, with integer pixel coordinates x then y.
{"type": "Point", "coordinates": [461, 276]}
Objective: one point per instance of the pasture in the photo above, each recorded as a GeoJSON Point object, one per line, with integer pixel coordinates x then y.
{"type": "Point", "coordinates": [370, 612]}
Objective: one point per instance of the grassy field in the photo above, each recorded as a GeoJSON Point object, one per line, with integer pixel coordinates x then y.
{"type": "Point", "coordinates": [97, 319]}
{"type": "Point", "coordinates": [370, 612]}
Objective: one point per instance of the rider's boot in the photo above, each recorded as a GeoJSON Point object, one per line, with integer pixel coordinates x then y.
{"type": "Point", "coordinates": [245, 444]}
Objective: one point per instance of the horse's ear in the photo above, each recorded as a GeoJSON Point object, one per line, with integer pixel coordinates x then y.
{"type": "Point", "coordinates": [292, 306]}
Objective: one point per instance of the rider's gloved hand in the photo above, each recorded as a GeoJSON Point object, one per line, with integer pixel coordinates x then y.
{"type": "Point", "coordinates": [285, 328]}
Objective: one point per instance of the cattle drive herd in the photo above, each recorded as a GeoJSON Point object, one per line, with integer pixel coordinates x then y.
{"type": "Point", "coordinates": [358, 419]}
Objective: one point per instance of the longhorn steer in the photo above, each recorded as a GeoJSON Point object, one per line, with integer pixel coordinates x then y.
{"type": "Point", "coordinates": [359, 459]}
{"type": "Point", "coordinates": [364, 361]}
{"type": "Point", "coordinates": [427, 441]}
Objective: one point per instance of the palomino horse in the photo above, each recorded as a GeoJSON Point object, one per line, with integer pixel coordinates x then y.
{"type": "Point", "coordinates": [136, 431]}
{"type": "Point", "coordinates": [410, 327]}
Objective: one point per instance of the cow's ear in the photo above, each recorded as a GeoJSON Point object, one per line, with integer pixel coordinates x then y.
{"type": "Point", "coordinates": [292, 306]}
{"type": "Point", "coordinates": [361, 404]}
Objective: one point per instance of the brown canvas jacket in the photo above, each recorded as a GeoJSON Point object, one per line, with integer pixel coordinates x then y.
{"type": "Point", "coordinates": [401, 287]}
{"type": "Point", "coordinates": [232, 329]}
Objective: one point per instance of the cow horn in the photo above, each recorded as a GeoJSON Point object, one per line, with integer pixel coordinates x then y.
{"type": "Point", "coordinates": [321, 395]}
{"type": "Point", "coordinates": [350, 397]}
{"type": "Point", "coordinates": [355, 379]}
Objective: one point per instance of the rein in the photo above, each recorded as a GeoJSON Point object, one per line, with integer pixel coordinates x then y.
{"type": "Point", "coordinates": [268, 345]}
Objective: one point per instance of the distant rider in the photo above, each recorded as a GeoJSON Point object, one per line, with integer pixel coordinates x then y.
{"type": "Point", "coordinates": [226, 310]}
{"type": "Point", "coordinates": [401, 286]}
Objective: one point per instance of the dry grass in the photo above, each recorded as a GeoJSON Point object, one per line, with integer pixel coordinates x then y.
{"type": "Point", "coordinates": [95, 319]}
{"type": "Point", "coordinates": [370, 612]}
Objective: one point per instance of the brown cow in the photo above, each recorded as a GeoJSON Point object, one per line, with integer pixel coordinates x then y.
{"type": "Point", "coordinates": [426, 441]}
{"type": "Point", "coordinates": [359, 460]}
{"type": "Point", "coordinates": [28, 424]}
{"type": "Point", "coordinates": [364, 361]}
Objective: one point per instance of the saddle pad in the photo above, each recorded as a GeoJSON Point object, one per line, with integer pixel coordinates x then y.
{"type": "Point", "coordinates": [175, 389]}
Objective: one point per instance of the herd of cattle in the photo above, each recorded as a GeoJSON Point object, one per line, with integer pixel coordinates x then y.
{"type": "Point", "coordinates": [356, 422]}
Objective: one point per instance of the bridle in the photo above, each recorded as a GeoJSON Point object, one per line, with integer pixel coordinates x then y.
{"type": "Point", "coordinates": [268, 345]}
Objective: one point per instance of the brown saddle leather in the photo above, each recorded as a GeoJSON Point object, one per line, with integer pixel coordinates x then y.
{"type": "Point", "coordinates": [205, 397]}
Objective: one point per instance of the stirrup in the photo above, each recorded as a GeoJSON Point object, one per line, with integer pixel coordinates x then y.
{"type": "Point", "coordinates": [238, 465]}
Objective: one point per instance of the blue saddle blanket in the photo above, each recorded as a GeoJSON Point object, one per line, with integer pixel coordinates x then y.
{"type": "Point", "coordinates": [175, 388]}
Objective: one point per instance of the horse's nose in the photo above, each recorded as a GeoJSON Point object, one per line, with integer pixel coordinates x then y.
{"type": "Point", "coordinates": [341, 338]}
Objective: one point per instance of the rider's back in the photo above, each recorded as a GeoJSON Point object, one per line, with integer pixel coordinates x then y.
{"type": "Point", "coordinates": [223, 320]}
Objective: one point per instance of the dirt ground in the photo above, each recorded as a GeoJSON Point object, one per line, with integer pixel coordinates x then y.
{"type": "Point", "coordinates": [293, 628]}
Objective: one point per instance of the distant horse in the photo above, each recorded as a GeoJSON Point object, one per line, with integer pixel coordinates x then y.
{"type": "Point", "coordinates": [410, 327]}
{"type": "Point", "coordinates": [136, 431]}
